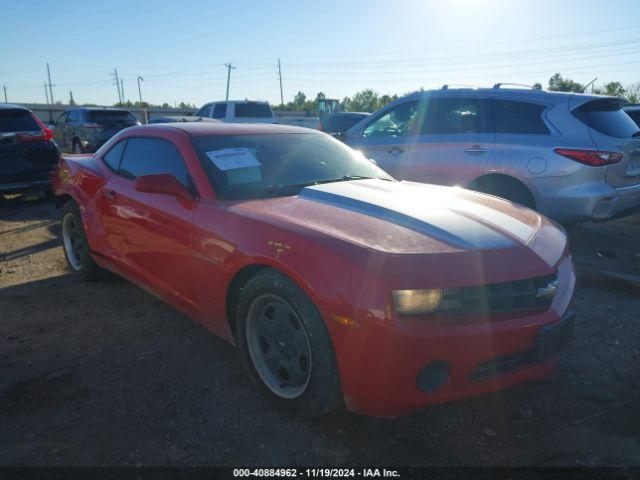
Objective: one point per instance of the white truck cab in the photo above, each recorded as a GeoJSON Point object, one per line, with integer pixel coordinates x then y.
{"type": "Point", "coordinates": [238, 111]}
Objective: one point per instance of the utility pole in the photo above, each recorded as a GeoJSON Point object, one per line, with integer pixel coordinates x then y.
{"type": "Point", "coordinates": [140, 79]}
{"type": "Point", "coordinates": [4, 87]}
{"type": "Point", "coordinates": [143, 113]}
{"type": "Point", "coordinates": [122, 89]}
{"type": "Point", "coordinates": [280, 78]}
{"type": "Point", "coordinates": [71, 100]}
{"type": "Point", "coordinates": [50, 89]}
{"type": "Point", "coordinates": [46, 93]}
{"type": "Point", "coordinates": [229, 67]}
{"type": "Point", "coordinates": [117, 81]}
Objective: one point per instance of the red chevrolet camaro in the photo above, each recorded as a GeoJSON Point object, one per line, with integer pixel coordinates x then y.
{"type": "Point", "coordinates": [336, 282]}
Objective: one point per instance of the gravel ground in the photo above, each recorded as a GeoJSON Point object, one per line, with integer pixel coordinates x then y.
{"type": "Point", "coordinates": [105, 374]}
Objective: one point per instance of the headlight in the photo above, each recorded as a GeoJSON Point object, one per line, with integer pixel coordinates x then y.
{"type": "Point", "coordinates": [417, 302]}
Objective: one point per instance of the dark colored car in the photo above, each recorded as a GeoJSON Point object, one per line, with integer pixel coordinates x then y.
{"type": "Point", "coordinates": [337, 124]}
{"type": "Point", "coordinates": [84, 130]}
{"type": "Point", "coordinates": [634, 112]}
{"type": "Point", "coordinates": [28, 153]}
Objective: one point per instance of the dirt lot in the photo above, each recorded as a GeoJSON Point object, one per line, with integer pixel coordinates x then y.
{"type": "Point", "coordinates": [105, 374]}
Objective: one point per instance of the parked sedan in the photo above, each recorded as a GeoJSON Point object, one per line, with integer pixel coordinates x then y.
{"type": "Point", "coordinates": [572, 157]}
{"type": "Point", "coordinates": [28, 155]}
{"type": "Point", "coordinates": [335, 281]}
{"type": "Point", "coordinates": [84, 130]}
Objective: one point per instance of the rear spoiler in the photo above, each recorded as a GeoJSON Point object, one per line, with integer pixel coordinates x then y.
{"type": "Point", "coordinates": [586, 103]}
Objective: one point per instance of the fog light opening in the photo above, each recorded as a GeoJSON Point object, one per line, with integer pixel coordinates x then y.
{"type": "Point", "coordinates": [433, 376]}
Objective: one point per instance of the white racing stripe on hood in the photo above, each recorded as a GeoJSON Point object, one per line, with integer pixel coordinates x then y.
{"type": "Point", "coordinates": [434, 211]}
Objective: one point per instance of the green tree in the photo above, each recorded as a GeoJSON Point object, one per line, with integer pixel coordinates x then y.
{"type": "Point", "coordinates": [299, 100]}
{"type": "Point", "coordinates": [614, 89]}
{"type": "Point", "coordinates": [633, 92]}
{"type": "Point", "coordinates": [365, 101]}
{"type": "Point", "coordinates": [559, 84]}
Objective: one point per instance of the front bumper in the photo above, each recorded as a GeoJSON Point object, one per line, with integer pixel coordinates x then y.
{"type": "Point", "coordinates": [382, 362]}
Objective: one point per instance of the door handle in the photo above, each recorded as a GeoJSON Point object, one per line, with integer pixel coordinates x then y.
{"type": "Point", "coordinates": [395, 150]}
{"type": "Point", "coordinates": [476, 149]}
{"type": "Point", "coordinates": [111, 195]}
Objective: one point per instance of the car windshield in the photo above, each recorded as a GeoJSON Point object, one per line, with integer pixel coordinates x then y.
{"type": "Point", "coordinates": [112, 118]}
{"type": "Point", "coordinates": [260, 166]}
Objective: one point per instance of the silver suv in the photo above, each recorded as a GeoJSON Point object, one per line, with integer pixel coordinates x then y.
{"type": "Point", "coordinates": [572, 157]}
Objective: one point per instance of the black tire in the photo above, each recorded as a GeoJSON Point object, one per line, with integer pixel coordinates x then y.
{"type": "Point", "coordinates": [75, 244]}
{"type": "Point", "coordinates": [77, 146]}
{"type": "Point", "coordinates": [321, 392]}
{"type": "Point", "coordinates": [510, 190]}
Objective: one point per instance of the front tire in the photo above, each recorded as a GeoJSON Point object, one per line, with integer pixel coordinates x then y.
{"type": "Point", "coordinates": [286, 346]}
{"type": "Point", "coordinates": [75, 244]}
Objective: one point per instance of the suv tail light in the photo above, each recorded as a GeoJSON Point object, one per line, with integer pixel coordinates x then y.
{"type": "Point", "coordinates": [593, 158]}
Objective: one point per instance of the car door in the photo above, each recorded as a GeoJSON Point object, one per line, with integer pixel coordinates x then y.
{"type": "Point", "coordinates": [71, 130]}
{"type": "Point", "coordinates": [149, 234]}
{"type": "Point", "coordinates": [453, 142]}
{"type": "Point", "coordinates": [389, 137]}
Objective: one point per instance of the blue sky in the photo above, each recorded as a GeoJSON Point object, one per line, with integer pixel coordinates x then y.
{"type": "Point", "coordinates": [338, 47]}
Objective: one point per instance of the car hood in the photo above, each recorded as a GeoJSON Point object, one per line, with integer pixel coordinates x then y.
{"type": "Point", "coordinates": [413, 218]}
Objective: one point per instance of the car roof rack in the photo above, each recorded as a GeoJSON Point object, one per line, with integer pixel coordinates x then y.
{"type": "Point", "coordinates": [498, 86]}
{"type": "Point", "coordinates": [457, 85]}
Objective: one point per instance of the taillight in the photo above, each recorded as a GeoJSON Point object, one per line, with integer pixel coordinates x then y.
{"type": "Point", "coordinates": [593, 158]}
{"type": "Point", "coordinates": [47, 134]}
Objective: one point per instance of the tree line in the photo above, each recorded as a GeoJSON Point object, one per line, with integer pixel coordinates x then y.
{"type": "Point", "coordinates": [368, 100]}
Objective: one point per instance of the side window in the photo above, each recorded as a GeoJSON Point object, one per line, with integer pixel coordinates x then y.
{"type": "Point", "coordinates": [146, 156]}
{"type": "Point", "coordinates": [455, 116]}
{"type": "Point", "coordinates": [396, 122]}
{"type": "Point", "coordinates": [74, 116]}
{"type": "Point", "coordinates": [220, 110]}
{"type": "Point", "coordinates": [510, 116]}
{"type": "Point", "coordinates": [204, 111]}
{"type": "Point", "coordinates": [113, 156]}
{"type": "Point", "coordinates": [61, 119]}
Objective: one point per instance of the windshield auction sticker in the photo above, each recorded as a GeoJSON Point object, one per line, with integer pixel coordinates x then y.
{"type": "Point", "coordinates": [233, 158]}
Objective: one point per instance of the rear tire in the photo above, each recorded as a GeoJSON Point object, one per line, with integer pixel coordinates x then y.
{"type": "Point", "coordinates": [75, 244]}
{"type": "Point", "coordinates": [77, 146]}
{"type": "Point", "coordinates": [286, 347]}
{"type": "Point", "coordinates": [507, 188]}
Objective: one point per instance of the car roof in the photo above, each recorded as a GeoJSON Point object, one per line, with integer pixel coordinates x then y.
{"type": "Point", "coordinates": [11, 106]}
{"type": "Point", "coordinates": [101, 109]}
{"type": "Point", "coordinates": [523, 93]}
{"type": "Point", "coordinates": [203, 129]}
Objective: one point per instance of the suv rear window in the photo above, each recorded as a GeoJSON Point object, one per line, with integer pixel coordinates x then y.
{"type": "Point", "coordinates": [510, 116]}
{"type": "Point", "coordinates": [606, 116]}
{"type": "Point", "coordinates": [17, 120]}
{"type": "Point", "coordinates": [253, 110]}
{"type": "Point", "coordinates": [112, 118]}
